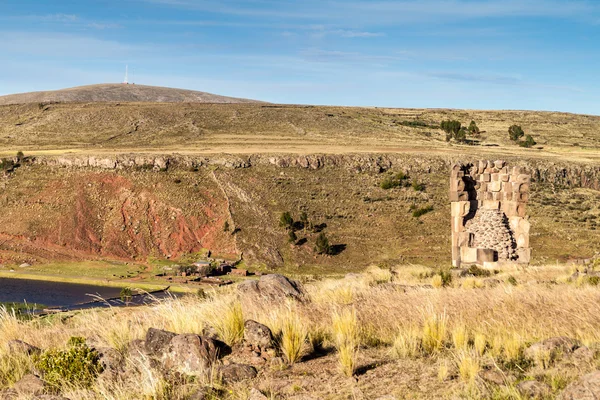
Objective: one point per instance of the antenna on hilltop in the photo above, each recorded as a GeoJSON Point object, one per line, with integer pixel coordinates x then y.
{"type": "Point", "coordinates": [126, 82]}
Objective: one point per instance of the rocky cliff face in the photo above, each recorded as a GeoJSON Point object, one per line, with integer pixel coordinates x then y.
{"type": "Point", "coordinates": [570, 175]}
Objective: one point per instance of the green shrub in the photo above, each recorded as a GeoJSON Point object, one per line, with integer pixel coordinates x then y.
{"type": "Point", "coordinates": [476, 271]}
{"type": "Point", "coordinates": [286, 221]}
{"type": "Point", "coordinates": [422, 211]}
{"type": "Point", "coordinates": [528, 142]}
{"type": "Point", "coordinates": [474, 129]}
{"type": "Point", "coordinates": [450, 126]}
{"type": "Point", "coordinates": [512, 280]}
{"type": "Point", "coordinates": [593, 280]}
{"type": "Point", "coordinates": [292, 237]}
{"type": "Point", "coordinates": [394, 181]}
{"type": "Point", "coordinates": [446, 277]}
{"type": "Point", "coordinates": [322, 245]}
{"type": "Point", "coordinates": [77, 366]}
{"type": "Point", "coordinates": [418, 187]}
{"type": "Point", "coordinates": [126, 294]}
{"type": "Point", "coordinates": [515, 132]}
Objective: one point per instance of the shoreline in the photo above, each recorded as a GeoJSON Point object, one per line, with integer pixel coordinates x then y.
{"type": "Point", "coordinates": [95, 282]}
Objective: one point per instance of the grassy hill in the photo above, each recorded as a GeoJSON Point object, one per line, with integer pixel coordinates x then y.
{"type": "Point", "coordinates": [133, 180]}
{"type": "Point", "coordinates": [116, 92]}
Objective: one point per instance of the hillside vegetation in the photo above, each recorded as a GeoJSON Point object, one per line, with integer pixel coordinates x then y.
{"type": "Point", "coordinates": [134, 180]}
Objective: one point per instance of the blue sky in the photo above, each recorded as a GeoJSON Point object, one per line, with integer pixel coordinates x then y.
{"type": "Point", "coordinates": [492, 54]}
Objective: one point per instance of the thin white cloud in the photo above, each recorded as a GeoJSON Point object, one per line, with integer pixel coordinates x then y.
{"type": "Point", "coordinates": [43, 44]}
{"type": "Point", "coordinates": [386, 12]}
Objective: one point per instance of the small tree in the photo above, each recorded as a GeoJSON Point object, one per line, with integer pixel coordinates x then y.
{"type": "Point", "coordinates": [515, 132]}
{"type": "Point", "coordinates": [292, 237]}
{"type": "Point", "coordinates": [322, 244]}
{"type": "Point", "coordinates": [528, 142]}
{"type": "Point", "coordinates": [226, 226]}
{"type": "Point", "coordinates": [286, 221]}
{"type": "Point", "coordinates": [474, 129]}
{"type": "Point", "coordinates": [461, 135]}
{"type": "Point", "coordinates": [304, 220]}
{"type": "Point", "coordinates": [450, 126]}
{"type": "Point", "coordinates": [20, 156]}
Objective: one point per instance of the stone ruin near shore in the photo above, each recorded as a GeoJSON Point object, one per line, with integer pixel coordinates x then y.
{"type": "Point", "coordinates": [489, 221]}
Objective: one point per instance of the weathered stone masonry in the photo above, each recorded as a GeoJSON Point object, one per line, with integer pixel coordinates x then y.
{"type": "Point", "coordinates": [489, 221]}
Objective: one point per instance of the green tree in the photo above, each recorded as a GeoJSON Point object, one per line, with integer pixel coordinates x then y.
{"type": "Point", "coordinates": [304, 220]}
{"type": "Point", "coordinates": [461, 135]}
{"type": "Point", "coordinates": [528, 142]}
{"type": "Point", "coordinates": [292, 237]}
{"type": "Point", "coordinates": [322, 244]}
{"type": "Point", "coordinates": [286, 221]}
{"type": "Point", "coordinates": [515, 132]}
{"type": "Point", "coordinates": [474, 129]}
{"type": "Point", "coordinates": [20, 156]}
{"type": "Point", "coordinates": [450, 126]}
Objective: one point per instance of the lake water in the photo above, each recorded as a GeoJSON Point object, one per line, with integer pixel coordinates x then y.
{"type": "Point", "coordinates": [51, 293]}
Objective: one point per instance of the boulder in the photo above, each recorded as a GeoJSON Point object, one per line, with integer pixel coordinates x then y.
{"type": "Point", "coordinates": [29, 385]}
{"type": "Point", "coordinates": [583, 355]}
{"type": "Point", "coordinates": [586, 388]}
{"type": "Point", "coordinates": [157, 341]}
{"type": "Point", "coordinates": [258, 335]}
{"type": "Point", "coordinates": [272, 287]}
{"type": "Point", "coordinates": [534, 389]}
{"type": "Point", "coordinates": [192, 354]}
{"type": "Point", "coordinates": [493, 376]}
{"type": "Point", "coordinates": [18, 346]}
{"type": "Point", "coordinates": [237, 372]}
{"type": "Point", "coordinates": [553, 348]}
{"type": "Point", "coordinates": [111, 360]}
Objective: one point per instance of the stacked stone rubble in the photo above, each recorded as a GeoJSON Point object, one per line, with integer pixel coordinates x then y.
{"type": "Point", "coordinates": [489, 223]}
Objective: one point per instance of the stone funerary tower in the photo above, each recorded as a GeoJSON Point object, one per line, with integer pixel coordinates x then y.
{"type": "Point", "coordinates": [489, 223]}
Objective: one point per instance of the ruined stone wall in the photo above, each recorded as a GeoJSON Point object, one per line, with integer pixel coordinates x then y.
{"type": "Point", "coordinates": [489, 221]}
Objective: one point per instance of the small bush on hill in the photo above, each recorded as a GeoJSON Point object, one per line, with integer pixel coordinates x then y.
{"type": "Point", "coordinates": [418, 187]}
{"type": "Point", "coordinates": [476, 271]}
{"type": "Point", "coordinates": [286, 221]}
{"type": "Point", "coordinates": [394, 181]}
{"type": "Point", "coordinates": [422, 211]}
{"type": "Point", "coordinates": [474, 129]}
{"type": "Point", "coordinates": [515, 132]}
{"type": "Point", "coordinates": [322, 245]}
{"type": "Point", "coordinates": [528, 142]}
{"type": "Point", "coordinates": [78, 366]}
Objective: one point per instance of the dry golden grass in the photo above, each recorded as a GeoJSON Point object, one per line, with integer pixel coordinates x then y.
{"type": "Point", "coordinates": [468, 328]}
{"type": "Point", "coordinates": [344, 325]}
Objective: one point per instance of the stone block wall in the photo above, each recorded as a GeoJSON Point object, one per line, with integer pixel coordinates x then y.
{"type": "Point", "coordinates": [488, 207]}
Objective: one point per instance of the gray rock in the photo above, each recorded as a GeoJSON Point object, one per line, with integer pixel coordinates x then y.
{"type": "Point", "coordinates": [583, 355]}
{"type": "Point", "coordinates": [258, 335]}
{"type": "Point", "coordinates": [534, 389]}
{"type": "Point", "coordinates": [25, 265]}
{"type": "Point", "coordinates": [111, 360]}
{"type": "Point", "coordinates": [272, 287]}
{"type": "Point", "coordinates": [553, 347]}
{"type": "Point", "coordinates": [493, 376]}
{"type": "Point", "coordinates": [18, 346]}
{"type": "Point", "coordinates": [157, 341]}
{"type": "Point", "coordinates": [586, 388]}
{"type": "Point", "coordinates": [29, 385]}
{"type": "Point", "coordinates": [237, 372]}
{"type": "Point", "coordinates": [192, 354]}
